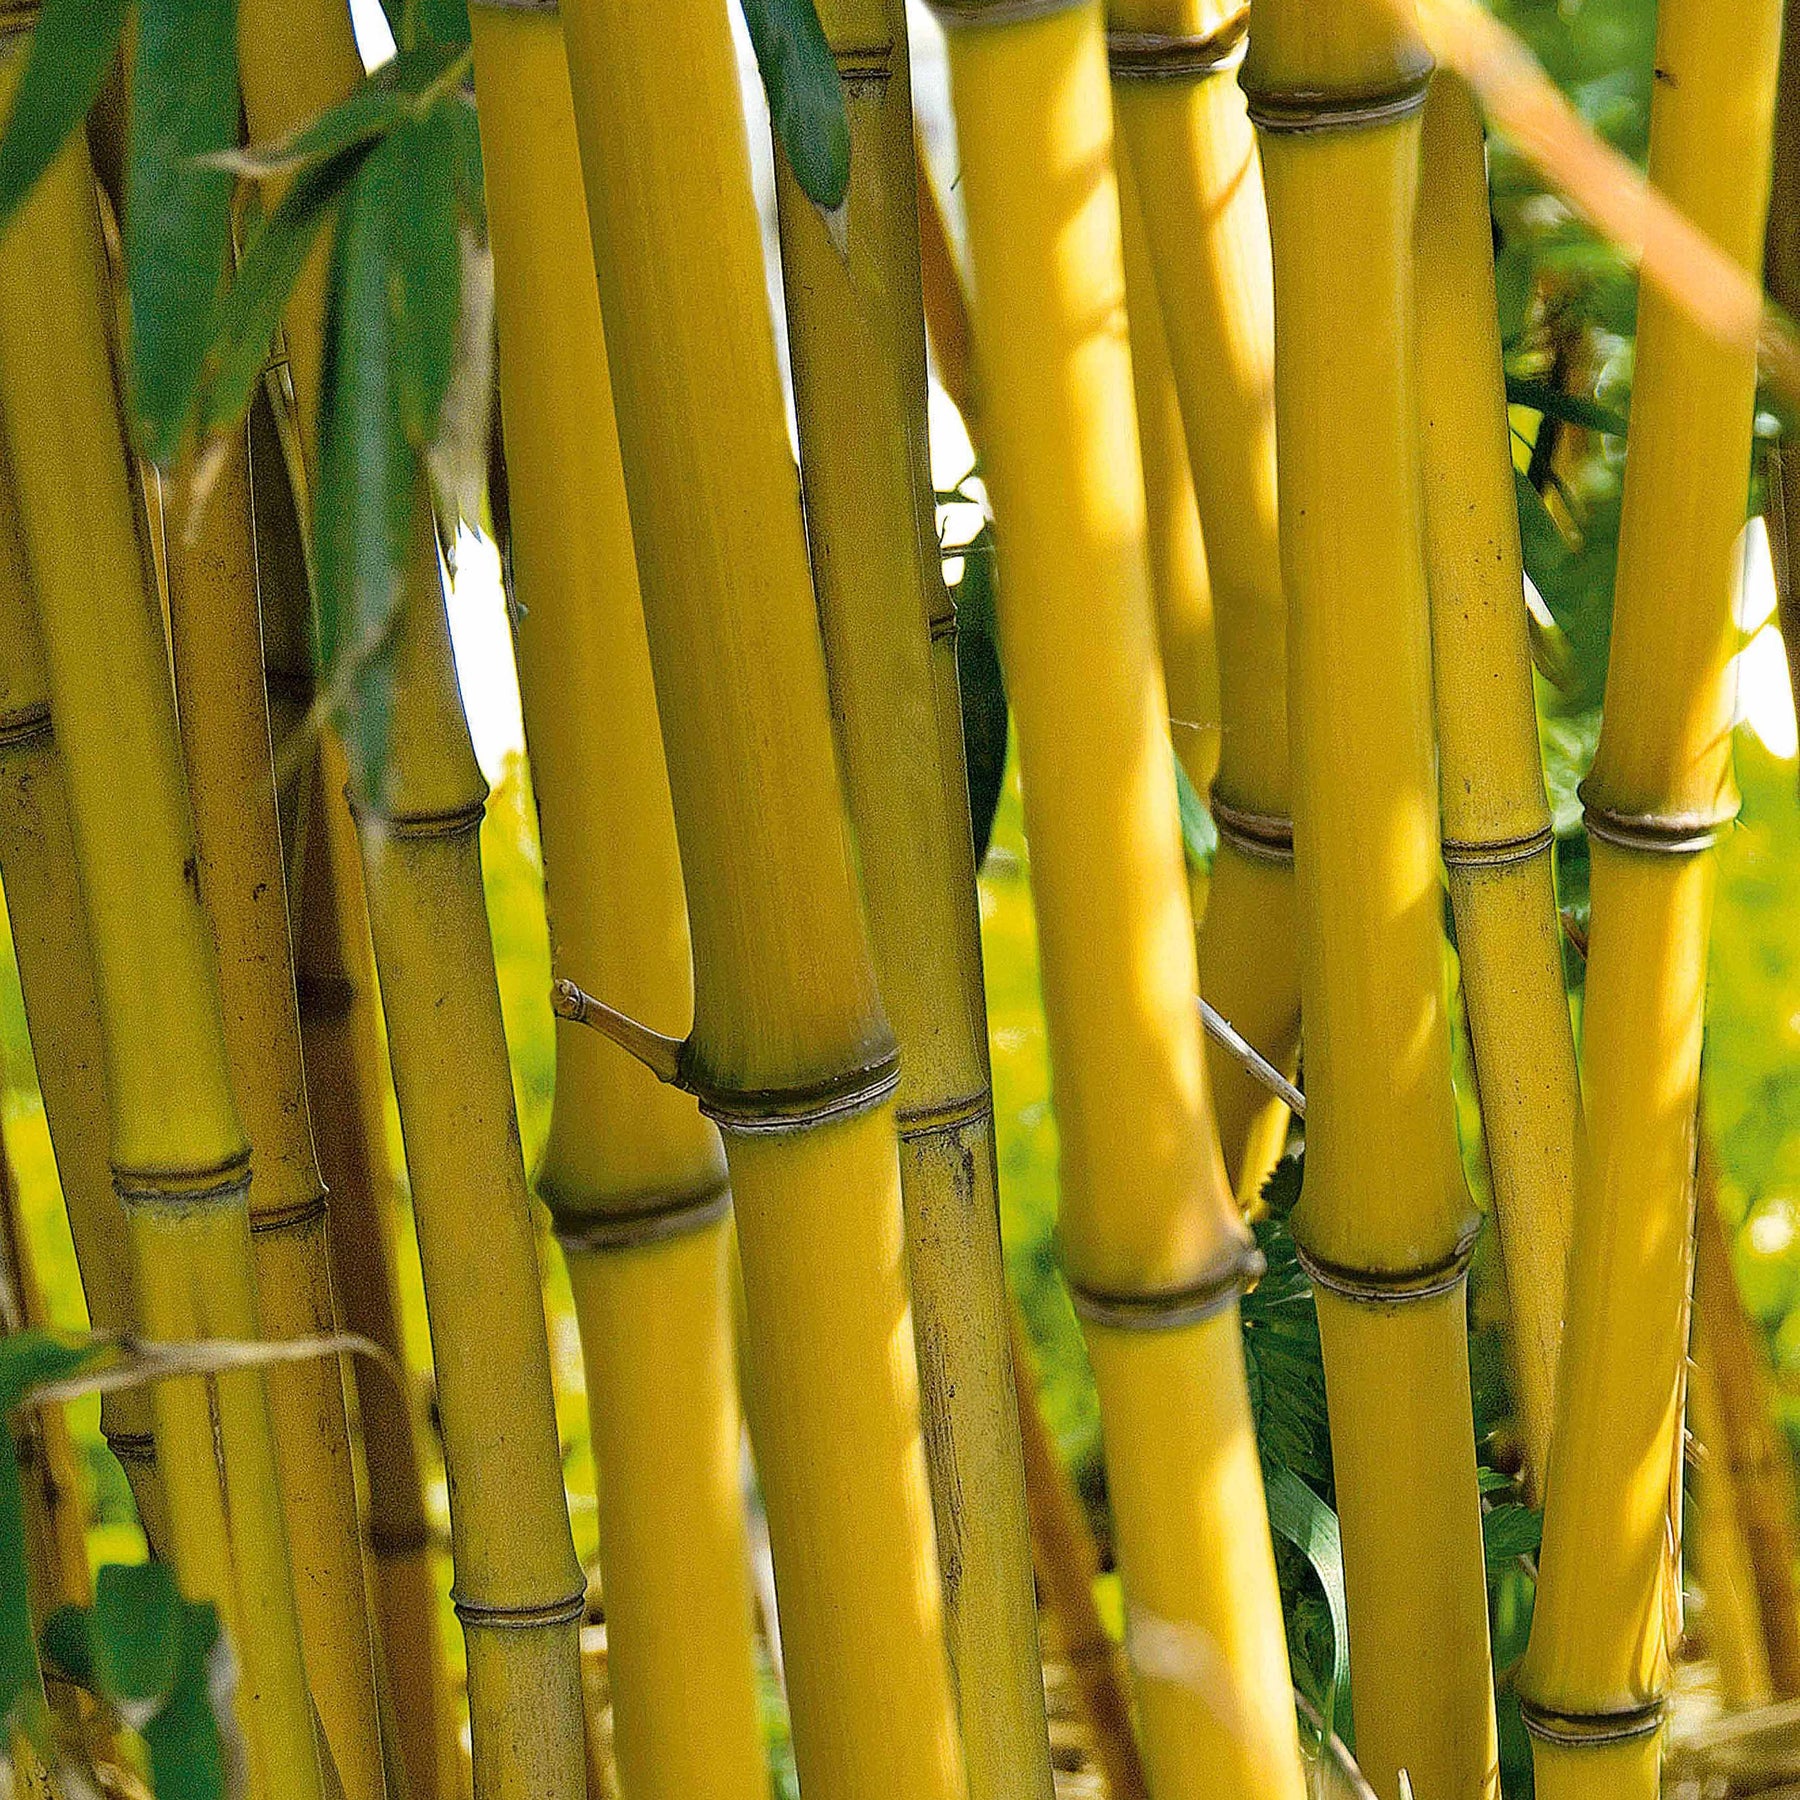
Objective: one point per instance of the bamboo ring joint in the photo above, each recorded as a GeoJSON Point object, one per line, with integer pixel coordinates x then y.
{"type": "Point", "coordinates": [1493, 853]}
{"type": "Point", "coordinates": [756, 1111]}
{"type": "Point", "coordinates": [997, 12]}
{"type": "Point", "coordinates": [926, 1121]}
{"type": "Point", "coordinates": [1175, 1308]}
{"type": "Point", "coordinates": [1583, 1731]}
{"type": "Point", "coordinates": [477, 1616]}
{"type": "Point", "coordinates": [1287, 112]}
{"type": "Point", "coordinates": [865, 65]}
{"type": "Point", "coordinates": [27, 723]}
{"type": "Point", "coordinates": [1654, 834]}
{"type": "Point", "coordinates": [1266, 836]}
{"type": "Point", "coordinates": [1389, 1287]}
{"type": "Point", "coordinates": [132, 1446]}
{"type": "Point", "coordinates": [452, 822]}
{"type": "Point", "coordinates": [289, 1218]}
{"type": "Point", "coordinates": [224, 1182]}
{"type": "Point", "coordinates": [1177, 56]}
{"type": "Point", "coordinates": [655, 1222]}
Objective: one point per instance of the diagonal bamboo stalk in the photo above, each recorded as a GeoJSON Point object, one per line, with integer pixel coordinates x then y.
{"type": "Point", "coordinates": [1659, 795]}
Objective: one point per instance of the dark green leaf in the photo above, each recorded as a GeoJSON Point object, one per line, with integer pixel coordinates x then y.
{"type": "Point", "coordinates": [1199, 836]}
{"type": "Point", "coordinates": [186, 1746]}
{"type": "Point", "coordinates": [425, 278]}
{"type": "Point", "coordinates": [72, 47]}
{"type": "Point", "coordinates": [1509, 1531]}
{"type": "Point", "coordinates": [1572, 409]}
{"type": "Point", "coordinates": [806, 97]}
{"type": "Point", "coordinates": [445, 21]}
{"type": "Point", "coordinates": [134, 1637]}
{"type": "Point", "coordinates": [184, 105]}
{"type": "Point", "coordinates": [982, 685]}
{"type": "Point", "coordinates": [266, 275]}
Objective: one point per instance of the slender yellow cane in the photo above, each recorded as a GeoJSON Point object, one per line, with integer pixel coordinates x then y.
{"type": "Point", "coordinates": [223, 707]}
{"type": "Point", "coordinates": [855, 328]}
{"type": "Point", "coordinates": [790, 1053]}
{"type": "Point", "coordinates": [1496, 824]}
{"type": "Point", "coordinates": [1659, 795]}
{"type": "Point", "coordinates": [1385, 1224]}
{"type": "Point", "coordinates": [1154, 1250]}
{"type": "Point", "coordinates": [1200, 191]}
{"type": "Point", "coordinates": [633, 1174]}
{"type": "Point", "coordinates": [180, 1160]}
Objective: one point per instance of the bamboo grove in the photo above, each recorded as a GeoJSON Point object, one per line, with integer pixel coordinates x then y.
{"type": "Point", "coordinates": [1214, 293]}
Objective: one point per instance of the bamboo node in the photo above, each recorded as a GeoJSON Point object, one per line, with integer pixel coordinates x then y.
{"type": "Point", "coordinates": [1471, 853]}
{"type": "Point", "coordinates": [1172, 1309]}
{"type": "Point", "coordinates": [1653, 833]}
{"type": "Point", "coordinates": [24, 724]}
{"type": "Point", "coordinates": [755, 1111]}
{"type": "Point", "coordinates": [917, 1122]}
{"type": "Point", "coordinates": [997, 12]}
{"type": "Point", "coordinates": [1286, 112]}
{"type": "Point", "coordinates": [132, 1446]}
{"type": "Point", "coordinates": [452, 822]}
{"type": "Point", "coordinates": [1266, 836]}
{"type": "Point", "coordinates": [662, 1056]}
{"type": "Point", "coordinates": [1584, 1731]}
{"type": "Point", "coordinates": [865, 65]}
{"type": "Point", "coordinates": [1390, 1287]}
{"type": "Point", "coordinates": [225, 1182]}
{"type": "Point", "coordinates": [653, 1222]}
{"type": "Point", "coordinates": [289, 1218]}
{"type": "Point", "coordinates": [1177, 56]}
{"type": "Point", "coordinates": [477, 1615]}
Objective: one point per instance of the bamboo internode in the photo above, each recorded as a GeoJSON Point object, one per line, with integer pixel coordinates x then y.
{"type": "Point", "coordinates": [1199, 188]}
{"type": "Point", "coordinates": [790, 1052]}
{"type": "Point", "coordinates": [1495, 820]}
{"type": "Point", "coordinates": [1385, 1223]}
{"type": "Point", "coordinates": [854, 328]}
{"type": "Point", "coordinates": [182, 1171]}
{"type": "Point", "coordinates": [1659, 795]}
{"type": "Point", "coordinates": [1154, 1250]}
{"type": "Point", "coordinates": [633, 1174]}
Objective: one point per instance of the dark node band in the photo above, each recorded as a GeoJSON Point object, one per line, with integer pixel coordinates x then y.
{"type": "Point", "coordinates": [1582, 1731]}
{"type": "Point", "coordinates": [1175, 56]}
{"type": "Point", "coordinates": [654, 1222]}
{"type": "Point", "coordinates": [1654, 833]}
{"type": "Point", "coordinates": [1173, 1308]}
{"type": "Point", "coordinates": [1389, 1287]}
{"type": "Point", "coordinates": [519, 1618]}
{"type": "Point", "coordinates": [1493, 853]}
{"type": "Point", "coordinates": [752, 1111]}
{"type": "Point", "coordinates": [951, 1115]}
{"type": "Point", "coordinates": [1293, 111]}
{"type": "Point", "coordinates": [224, 1183]}
{"type": "Point", "coordinates": [454, 822]}
{"type": "Point", "coordinates": [1266, 836]}
{"type": "Point", "coordinates": [28, 722]}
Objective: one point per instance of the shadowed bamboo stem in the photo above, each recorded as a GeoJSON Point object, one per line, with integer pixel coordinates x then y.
{"type": "Point", "coordinates": [182, 1169]}
{"type": "Point", "coordinates": [1154, 1250]}
{"type": "Point", "coordinates": [50, 941]}
{"type": "Point", "coordinates": [790, 1052]}
{"type": "Point", "coordinates": [632, 1172]}
{"type": "Point", "coordinates": [1495, 821]}
{"type": "Point", "coordinates": [1385, 1224]}
{"type": "Point", "coordinates": [1658, 796]}
{"type": "Point", "coordinates": [216, 638]}
{"type": "Point", "coordinates": [1199, 189]}
{"type": "Point", "coordinates": [859, 395]}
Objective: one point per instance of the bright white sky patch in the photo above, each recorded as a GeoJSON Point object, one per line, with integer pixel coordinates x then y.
{"type": "Point", "coordinates": [1765, 695]}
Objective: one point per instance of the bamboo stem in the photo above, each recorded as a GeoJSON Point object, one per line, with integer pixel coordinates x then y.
{"type": "Point", "coordinates": [1658, 796]}
{"type": "Point", "coordinates": [1495, 821]}
{"type": "Point", "coordinates": [1154, 1249]}
{"type": "Point", "coordinates": [790, 1051]}
{"type": "Point", "coordinates": [1199, 187]}
{"type": "Point", "coordinates": [1385, 1224]}
{"type": "Point", "coordinates": [859, 395]}
{"type": "Point", "coordinates": [182, 1170]}
{"type": "Point", "coordinates": [632, 1172]}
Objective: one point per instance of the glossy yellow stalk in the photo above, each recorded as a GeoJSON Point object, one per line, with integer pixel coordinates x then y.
{"type": "Point", "coordinates": [216, 638]}
{"type": "Point", "coordinates": [1154, 1250]}
{"type": "Point", "coordinates": [50, 941]}
{"type": "Point", "coordinates": [1385, 1224]}
{"type": "Point", "coordinates": [296, 59]}
{"type": "Point", "coordinates": [1200, 191]}
{"type": "Point", "coordinates": [1659, 793]}
{"type": "Point", "coordinates": [790, 1053]}
{"type": "Point", "coordinates": [1495, 820]}
{"type": "Point", "coordinates": [633, 1174]}
{"type": "Point", "coordinates": [855, 328]}
{"type": "Point", "coordinates": [179, 1155]}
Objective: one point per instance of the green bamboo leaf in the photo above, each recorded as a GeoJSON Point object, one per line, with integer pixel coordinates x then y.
{"type": "Point", "coordinates": [1571, 409]}
{"type": "Point", "coordinates": [266, 274]}
{"type": "Point", "coordinates": [982, 686]}
{"type": "Point", "coordinates": [806, 96]}
{"type": "Point", "coordinates": [1508, 1531]}
{"type": "Point", "coordinates": [1199, 836]}
{"type": "Point", "coordinates": [186, 1738]}
{"type": "Point", "coordinates": [184, 107]}
{"type": "Point", "coordinates": [425, 287]}
{"type": "Point", "coordinates": [1299, 1515]}
{"type": "Point", "coordinates": [134, 1638]}
{"type": "Point", "coordinates": [368, 468]}
{"type": "Point", "coordinates": [72, 47]}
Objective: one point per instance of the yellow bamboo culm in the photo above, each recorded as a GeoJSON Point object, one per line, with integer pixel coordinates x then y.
{"type": "Point", "coordinates": [790, 1053]}
{"type": "Point", "coordinates": [1659, 795]}
{"type": "Point", "coordinates": [1194, 163]}
{"type": "Point", "coordinates": [1495, 820]}
{"type": "Point", "coordinates": [1154, 1250]}
{"type": "Point", "coordinates": [633, 1174]}
{"type": "Point", "coordinates": [182, 1169]}
{"type": "Point", "coordinates": [222, 704]}
{"type": "Point", "coordinates": [1385, 1224]}
{"type": "Point", "coordinates": [855, 330]}
{"type": "Point", "coordinates": [62, 1014]}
